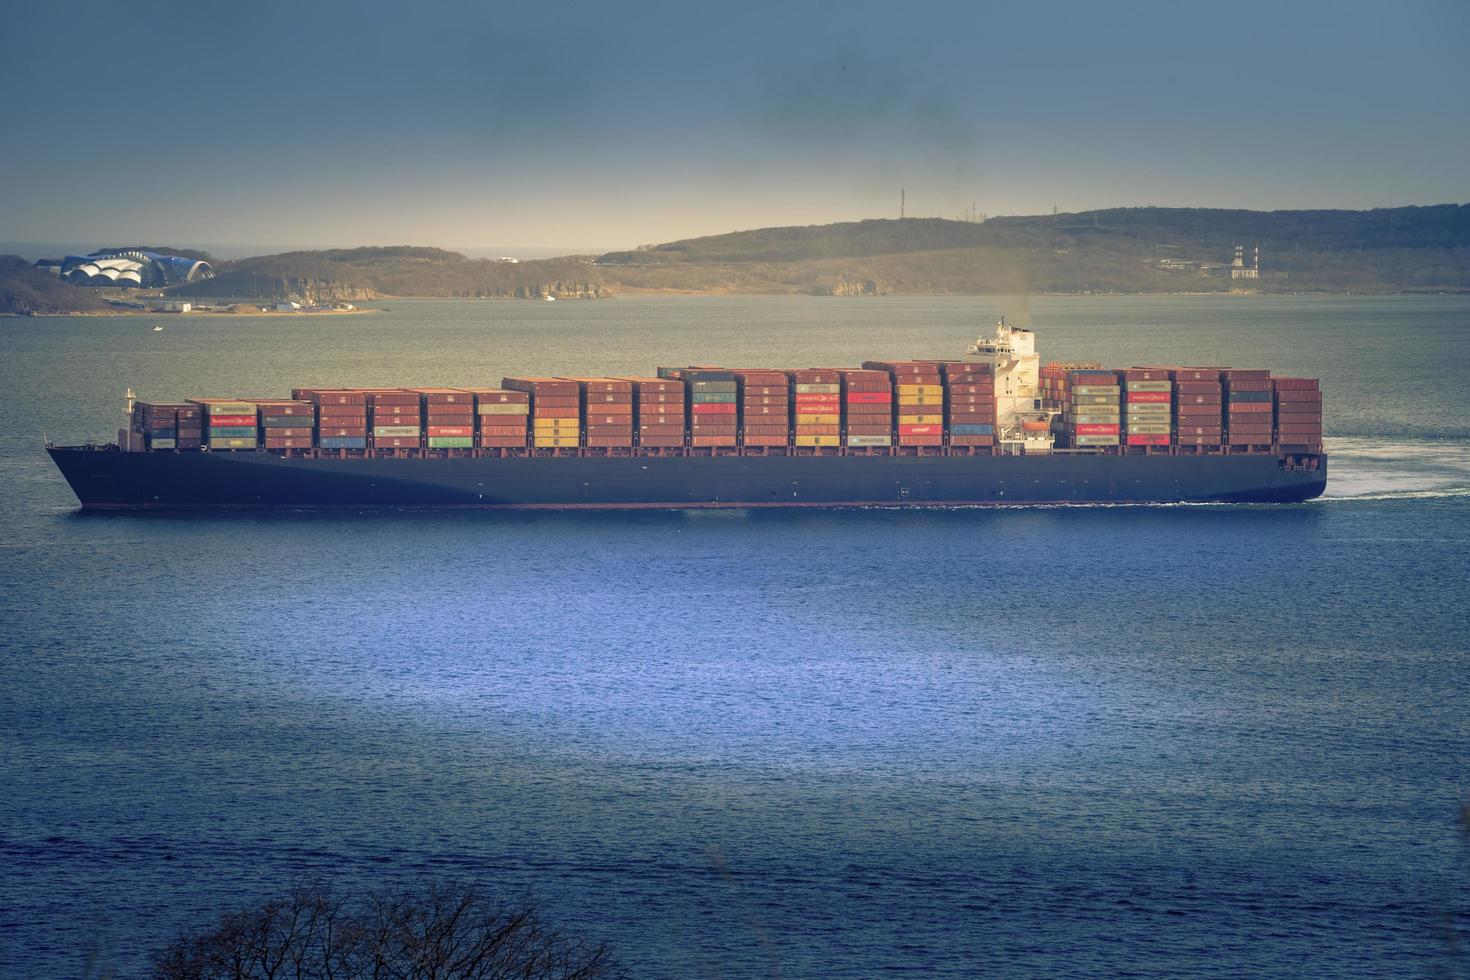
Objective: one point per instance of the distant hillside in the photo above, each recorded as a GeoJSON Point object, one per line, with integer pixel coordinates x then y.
{"type": "Point", "coordinates": [1116, 250]}
{"type": "Point", "coordinates": [369, 273]}
{"type": "Point", "coordinates": [26, 289]}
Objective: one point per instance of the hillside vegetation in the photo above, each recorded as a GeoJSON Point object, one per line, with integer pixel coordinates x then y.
{"type": "Point", "coordinates": [369, 273]}
{"type": "Point", "coordinates": [26, 289]}
{"type": "Point", "coordinates": [1409, 249]}
{"type": "Point", "coordinates": [1115, 250]}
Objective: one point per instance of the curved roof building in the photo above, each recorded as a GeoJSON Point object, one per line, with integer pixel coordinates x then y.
{"type": "Point", "coordinates": [132, 267]}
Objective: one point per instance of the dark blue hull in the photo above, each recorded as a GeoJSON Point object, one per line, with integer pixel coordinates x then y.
{"type": "Point", "coordinates": [107, 479]}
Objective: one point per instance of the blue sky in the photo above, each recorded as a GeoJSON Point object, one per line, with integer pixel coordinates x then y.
{"type": "Point", "coordinates": [593, 126]}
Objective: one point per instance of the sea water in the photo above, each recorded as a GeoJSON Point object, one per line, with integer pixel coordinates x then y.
{"type": "Point", "coordinates": [1190, 740]}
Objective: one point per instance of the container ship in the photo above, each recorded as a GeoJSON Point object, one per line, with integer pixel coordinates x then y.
{"type": "Point", "coordinates": [994, 427]}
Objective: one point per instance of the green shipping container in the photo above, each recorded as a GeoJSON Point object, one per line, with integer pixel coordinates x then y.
{"type": "Point", "coordinates": [819, 389]}
{"type": "Point", "coordinates": [1149, 408]}
{"type": "Point", "coordinates": [231, 443]}
{"type": "Point", "coordinates": [1149, 428]}
{"type": "Point", "coordinates": [1150, 386]}
{"type": "Point", "coordinates": [869, 441]}
{"type": "Point", "coordinates": [451, 442]}
{"type": "Point", "coordinates": [1096, 390]}
{"type": "Point", "coordinates": [1094, 440]}
{"type": "Point", "coordinates": [503, 408]}
{"type": "Point", "coordinates": [1094, 399]}
{"type": "Point", "coordinates": [713, 397]}
{"type": "Point", "coordinates": [400, 431]}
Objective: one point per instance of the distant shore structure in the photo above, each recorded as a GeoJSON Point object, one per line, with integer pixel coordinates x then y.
{"type": "Point", "coordinates": [128, 268]}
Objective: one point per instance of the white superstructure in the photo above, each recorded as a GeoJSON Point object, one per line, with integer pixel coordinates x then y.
{"type": "Point", "coordinates": [1021, 424]}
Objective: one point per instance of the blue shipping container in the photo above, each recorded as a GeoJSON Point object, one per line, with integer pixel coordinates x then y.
{"type": "Point", "coordinates": [972, 429]}
{"type": "Point", "coordinates": [232, 432]}
{"type": "Point", "coordinates": [343, 442]}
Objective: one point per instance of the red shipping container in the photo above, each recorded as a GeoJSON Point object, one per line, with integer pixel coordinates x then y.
{"type": "Point", "coordinates": [963, 388]}
{"type": "Point", "coordinates": [662, 442]}
{"type": "Point", "coordinates": [1295, 384]}
{"type": "Point", "coordinates": [966, 440]}
{"type": "Point", "coordinates": [818, 430]}
{"type": "Point", "coordinates": [600, 419]}
{"type": "Point", "coordinates": [608, 442]}
{"type": "Point", "coordinates": [502, 430]}
{"type": "Point", "coordinates": [395, 442]}
{"type": "Point", "coordinates": [1148, 440]}
{"type": "Point", "coordinates": [1150, 397]}
{"type": "Point", "coordinates": [830, 398]}
{"type": "Point", "coordinates": [1298, 396]}
{"type": "Point", "coordinates": [342, 431]}
{"type": "Point", "coordinates": [661, 409]}
{"type": "Point", "coordinates": [1146, 374]}
{"type": "Point", "coordinates": [1214, 440]}
{"type": "Point", "coordinates": [1250, 408]}
{"type": "Point", "coordinates": [502, 442]}
{"type": "Point", "coordinates": [276, 442]}
{"type": "Point", "coordinates": [920, 430]}
{"type": "Point", "coordinates": [869, 397]}
{"type": "Point", "coordinates": [1237, 374]}
{"type": "Point", "coordinates": [1096, 429]}
{"type": "Point", "coordinates": [766, 430]}
{"type": "Point", "coordinates": [662, 430]}
{"type": "Point", "coordinates": [767, 391]}
{"type": "Point", "coordinates": [451, 430]}
{"type": "Point", "coordinates": [722, 440]}
{"type": "Point", "coordinates": [970, 418]}
{"type": "Point", "coordinates": [920, 440]}
{"type": "Point", "coordinates": [450, 420]}
{"type": "Point", "coordinates": [869, 430]}
{"type": "Point", "coordinates": [766, 440]}
{"type": "Point", "coordinates": [1196, 374]}
{"type": "Point", "coordinates": [1200, 430]}
{"type": "Point", "coordinates": [864, 387]}
{"type": "Point", "coordinates": [237, 420]}
{"type": "Point", "coordinates": [767, 411]}
{"type": "Point", "coordinates": [556, 412]}
{"type": "Point", "coordinates": [713, 408]}
{"type": "Point", "coordinates": [293, 432]}
{"type": "Point", "coordinates": [1248, 386]}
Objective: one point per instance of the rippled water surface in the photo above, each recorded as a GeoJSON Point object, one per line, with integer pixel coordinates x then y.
{"type": "Point", "coordinates": [1203, 740]}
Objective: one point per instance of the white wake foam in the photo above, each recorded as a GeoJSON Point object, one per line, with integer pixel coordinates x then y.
{"type": "Point", "coordinates": [1384, 469]}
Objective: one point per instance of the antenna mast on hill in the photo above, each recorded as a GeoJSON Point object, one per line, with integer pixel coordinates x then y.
{"type": "Point", "coordinates": [902, 195]}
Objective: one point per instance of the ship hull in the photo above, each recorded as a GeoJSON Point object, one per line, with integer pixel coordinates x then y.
{"type": "Point", "coordinates": [106, 479]}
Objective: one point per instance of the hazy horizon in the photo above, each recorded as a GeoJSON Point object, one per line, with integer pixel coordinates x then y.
{"type": "Point", "coordinates": [587, 129]}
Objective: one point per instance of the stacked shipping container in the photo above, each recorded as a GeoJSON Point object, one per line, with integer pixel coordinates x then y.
{"type": "Point", "coordinates": [659, 405]}
{"type": "Point", "coordinates": [341, 416]}
{"type": "Point", "coordinates": [502, 416]}
{"type": "Point", "coordinates": [556, 410]}
{"type": "Point", "coordinates": [1197, 408]}
{"type": "Point", "coordinates": [867, 403]}
{"type": "Point", "coordinates": [765, 407]}
{"type": "Point", "coordinates": [714, 407]}
{"type": "Point", "coordinates": [166, 425]}
{"type": "Point", "coordinates": [969, 403]}
{"type": "Point", "coordinates": [1095, 416]}
{"type": "Point", "coordinates": [1148, 407]}
{"type": "Point", "coordinates": [397, 418]}
{"type": "Point", "coordinates": [1298, 414]}
{"type": "Point", "coordinates": [919, 406]}
{"type": "Point", "coordinates": [1248, 407]}
{"type": "Point", "coordinates": [449, 417]}
{"type": "Point", "coordinates": [816, 402]}
{"type": "Point", "coordinates": [287, 424]}
{"type": "Point", "coordinates": [607, 412]}
{"type": "Point", "coordinates": [228, 424]}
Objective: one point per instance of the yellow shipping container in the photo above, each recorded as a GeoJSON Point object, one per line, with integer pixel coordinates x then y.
{"type": "Point", "coordinates": [558, 423]}
{"type": "Point", "coordinates": [819, 440]}
{"type": "Point", "coordinates": [927, 400]}
{"type": "Point", "coordinates": [819, 420]}
{"type": "Point", "coordinates": [499, 408]}
{"type": "Point", "coordinates": [935, 390]}
{"type": "Point", "coordinates": [920, 419]}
